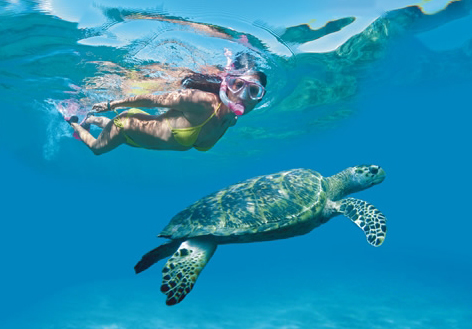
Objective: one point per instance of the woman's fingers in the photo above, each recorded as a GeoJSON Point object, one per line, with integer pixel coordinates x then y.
{"type": "Point", "coordinates": [100, 107]}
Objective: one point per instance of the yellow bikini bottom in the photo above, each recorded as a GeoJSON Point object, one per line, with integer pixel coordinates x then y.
{"type": "Point", "coordinates": [119, 123]}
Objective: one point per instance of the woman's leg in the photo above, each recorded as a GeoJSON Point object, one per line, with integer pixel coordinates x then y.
{"type": "Point", "coordinates": [108, 139]}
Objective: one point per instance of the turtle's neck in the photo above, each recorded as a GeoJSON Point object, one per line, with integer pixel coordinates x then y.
{"type": "Point", "coordinates": [340, 185]}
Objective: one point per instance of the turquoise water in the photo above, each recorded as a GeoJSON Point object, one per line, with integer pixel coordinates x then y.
{"type": "Point", "coordinates": [387, 86]}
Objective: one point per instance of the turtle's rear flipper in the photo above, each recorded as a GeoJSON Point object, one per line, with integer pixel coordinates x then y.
{"type": "Point", "coordinates": [182, 269]}
{"type": "Point", "coordinates": [367, 217]}
{"type": "Point", "coordinates": [155, 255]}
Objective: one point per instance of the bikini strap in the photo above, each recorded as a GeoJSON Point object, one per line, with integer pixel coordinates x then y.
{"type": "Point", "coordinates": [211, 116]}
{"type": "Point", "coordinates": [200, 125]}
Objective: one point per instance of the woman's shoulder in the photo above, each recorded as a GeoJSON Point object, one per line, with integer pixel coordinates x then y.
{"type": "Point", "coordinates": [200, 97]}
{"type": "Point", "coordinates": [193, 100]}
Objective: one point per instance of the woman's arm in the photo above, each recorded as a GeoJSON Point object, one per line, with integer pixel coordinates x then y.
{"type": "Point", "coordinates": [182, 100]}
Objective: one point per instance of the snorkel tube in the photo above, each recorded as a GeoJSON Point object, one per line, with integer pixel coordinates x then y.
{"type": "Point", "coordinates": [236, 108]}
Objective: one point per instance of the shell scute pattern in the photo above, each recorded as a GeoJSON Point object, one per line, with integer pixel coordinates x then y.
{"type": "Point", "coordinates": [305, 187]}
{"type": "Point", "coordinates": [259, 204]}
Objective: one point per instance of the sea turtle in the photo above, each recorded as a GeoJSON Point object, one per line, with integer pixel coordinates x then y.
{"type": "Point", "coordinates": [264, 208]}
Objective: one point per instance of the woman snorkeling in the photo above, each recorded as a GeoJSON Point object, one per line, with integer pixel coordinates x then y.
{"type": "Point", "coordinates": [198, 115]}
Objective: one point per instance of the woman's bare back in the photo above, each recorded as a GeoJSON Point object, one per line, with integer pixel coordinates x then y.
{"type": "Point", "coordinates": [154, 131]}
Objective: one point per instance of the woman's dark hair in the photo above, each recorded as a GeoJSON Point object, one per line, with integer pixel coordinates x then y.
{"type": "Point", "coordinates": [261, 76]}
{"type": "Point", "coordinates": [244, 63]}
{"type": "Point", "coordinates": [205, 82]}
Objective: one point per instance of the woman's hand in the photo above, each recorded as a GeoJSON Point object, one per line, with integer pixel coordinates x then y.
{"type": "Point", "coordinates": [101, 107]}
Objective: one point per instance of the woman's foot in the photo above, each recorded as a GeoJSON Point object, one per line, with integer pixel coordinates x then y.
{"type": "Point", "coordinates": [72, 119]}
{"type": "Point", "coordinates": [84, 124]}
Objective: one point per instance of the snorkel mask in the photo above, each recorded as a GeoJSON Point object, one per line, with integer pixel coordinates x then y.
{"type": "Point", "coordinates": [236, 108]}
{"type": "Point", "coordinates": [236, 84]}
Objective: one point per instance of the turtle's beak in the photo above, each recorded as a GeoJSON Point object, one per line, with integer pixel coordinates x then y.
{"type": "Point", "coordinates": [379, 174]}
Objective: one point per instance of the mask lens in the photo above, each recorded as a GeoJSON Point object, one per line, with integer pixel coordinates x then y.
{"type": "Point", "coordinates": [235, 84]}
{"type": "Point", "coordinates": [255, 91]}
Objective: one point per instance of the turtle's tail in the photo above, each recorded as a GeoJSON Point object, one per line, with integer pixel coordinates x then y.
{"type": "Point", "coordinates": [155, 255]}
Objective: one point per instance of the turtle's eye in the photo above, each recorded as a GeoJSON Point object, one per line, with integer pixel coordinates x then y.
{"type": "Point", "coordinates": [374, 169]}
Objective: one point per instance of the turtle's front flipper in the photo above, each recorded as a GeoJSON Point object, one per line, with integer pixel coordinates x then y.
{"type": "Point", "coordinates": [367, 217]}
{"type": "Point", "coordinates": [182, 269]}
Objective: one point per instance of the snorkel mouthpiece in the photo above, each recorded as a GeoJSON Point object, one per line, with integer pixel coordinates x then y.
{"type": "Point", "coordinates": [236, 108]}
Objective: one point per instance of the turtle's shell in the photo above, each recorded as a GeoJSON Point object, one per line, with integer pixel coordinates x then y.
{"type": "Point", "coordinates": [257, 205]}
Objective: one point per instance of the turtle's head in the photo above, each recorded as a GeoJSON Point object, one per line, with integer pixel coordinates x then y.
{"type": "Point", "coordinates": [354, 179]}
{"type": "Point", "coordinates": [364, 176]}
